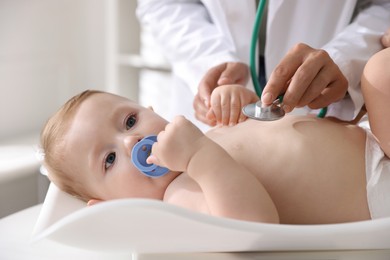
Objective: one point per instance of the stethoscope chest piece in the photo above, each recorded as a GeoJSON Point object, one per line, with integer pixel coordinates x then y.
{"type": "Point", "coordinates": [264, 113]}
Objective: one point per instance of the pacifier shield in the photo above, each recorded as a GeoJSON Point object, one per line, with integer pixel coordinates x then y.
{"type": "Point", "coordinates": [141, 152]}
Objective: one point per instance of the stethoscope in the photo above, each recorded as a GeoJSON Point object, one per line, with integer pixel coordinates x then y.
{"type": "Point", "coordinates": [257, 110]}
{"type": "Point", "coordinates": [143, 148]}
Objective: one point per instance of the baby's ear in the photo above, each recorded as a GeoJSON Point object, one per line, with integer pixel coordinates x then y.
{"type": "Point", "coordinates": [92, 202]}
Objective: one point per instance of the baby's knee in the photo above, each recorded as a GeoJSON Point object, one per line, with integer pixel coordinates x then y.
{"type": "Point", "coordinates": [376, 71]}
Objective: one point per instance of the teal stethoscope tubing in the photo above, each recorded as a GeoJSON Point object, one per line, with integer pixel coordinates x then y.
{"type": "Point", "coordinates": [255, 36]}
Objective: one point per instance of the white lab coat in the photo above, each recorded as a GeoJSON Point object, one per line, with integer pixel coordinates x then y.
{"type": "Point", "coordinates": [197, 35]}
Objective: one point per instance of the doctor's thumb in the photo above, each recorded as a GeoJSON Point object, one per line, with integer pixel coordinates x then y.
{"type": "Point", "coordinates": [385, 40]}
{"type": "Point", "coordinates": [234, 73]}
{"type": "Point", "coordinates": [229, 77]}
{"type": "Point", "coordinates": [267, 98]}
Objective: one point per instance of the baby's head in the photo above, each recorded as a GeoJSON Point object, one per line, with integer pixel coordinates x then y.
{"type": "Point", "coordinates": [88, 142]}
{"type": "Point", "coordinates": [53, 143]}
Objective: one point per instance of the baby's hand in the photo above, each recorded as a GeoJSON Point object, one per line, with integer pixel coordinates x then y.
{"type": "Point", "coordinates": [176, 144]}
{"type": "Point", "coordinates": [227, 102]}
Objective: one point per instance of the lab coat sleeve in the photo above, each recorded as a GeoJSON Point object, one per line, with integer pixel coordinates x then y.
{"type": "Point", "coordinates": [188, 37]}
{"type": "Point", "coordinates": [351, 49]}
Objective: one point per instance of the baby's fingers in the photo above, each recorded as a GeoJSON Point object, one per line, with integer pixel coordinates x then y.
{"type": "Point", "coordinates": [211, 116]}
{"type": "Point", "coordinates": [225, 110]}
{"type": "Point", "coordinates": [216, 109]}
{"type": "Point", "coordinates": [152, 159]}
{"type": "Point", "coordinates": [235, 110]}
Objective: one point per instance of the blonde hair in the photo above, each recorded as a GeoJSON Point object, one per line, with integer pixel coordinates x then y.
{"type": "Point", "coordinates": [53, 142]}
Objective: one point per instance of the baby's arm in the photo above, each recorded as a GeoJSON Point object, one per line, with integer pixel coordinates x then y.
{"type": "Point", "coordinates": [229, 190]}
{"type": "Point", "coordinates": [376, 91]}
{"type": "Point", "coordinates": [226, 103]}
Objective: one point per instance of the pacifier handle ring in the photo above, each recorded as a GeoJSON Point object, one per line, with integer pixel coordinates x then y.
{"type": "Point", "coordinates": [140, 152]}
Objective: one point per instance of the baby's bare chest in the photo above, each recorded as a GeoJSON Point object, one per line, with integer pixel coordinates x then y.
{"type": "Point", "coordinates": [289, 147]}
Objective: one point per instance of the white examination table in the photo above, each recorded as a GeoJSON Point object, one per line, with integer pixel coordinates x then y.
{"type": "Point", "coordinates": [146, 229]}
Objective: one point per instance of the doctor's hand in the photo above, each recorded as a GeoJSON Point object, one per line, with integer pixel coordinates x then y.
{"type": "Point", "coordinates": [306, 76]}
{"type": "Point", "coordinates": [223, 74]}
{"type": "Point", "coordinates": [176, 145]}
{"type": "Point", "coordinates": [226, 104]}
{"type": "Point", "coordinates": [385, 40]}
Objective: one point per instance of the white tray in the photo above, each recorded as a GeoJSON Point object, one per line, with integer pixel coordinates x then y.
{"type": "Point", "coordinates": [149, 226]}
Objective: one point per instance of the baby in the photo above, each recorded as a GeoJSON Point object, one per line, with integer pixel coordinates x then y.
{"type": "Point", "coordinates": [297, 170]}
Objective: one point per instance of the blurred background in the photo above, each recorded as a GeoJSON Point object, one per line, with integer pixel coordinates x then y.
{"type": "Point", "coordinates": [51, 50]}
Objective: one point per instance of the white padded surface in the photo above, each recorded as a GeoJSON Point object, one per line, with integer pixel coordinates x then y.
{"type": "Point", "coordinates": [148, 226]}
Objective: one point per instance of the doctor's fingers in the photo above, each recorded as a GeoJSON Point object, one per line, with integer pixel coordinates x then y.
{"type": "Point", "coordinates": [201, 112]}
{"type": "Point", "coordinates": [222, 74]}
{"type": "Point", "coordinates": [234, 73]}
{"type": "Point", "coordinates": [210, 117]}
{"type": "Point", "coordinates": [332, 93]}
{"type": "Point", "coordinates": [385, 40]}
{"type": "Point", "coordinates": [313, 75]}
{"type": "Point", "coordinates": [281, 75]}
{"type": "Point", "coordinates": [209, 82]}
{"type": "Point", "coordinates": [329, 78]}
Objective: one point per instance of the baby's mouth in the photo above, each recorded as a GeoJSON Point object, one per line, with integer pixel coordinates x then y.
{"type": "Point", "coordinates": [141, 151]}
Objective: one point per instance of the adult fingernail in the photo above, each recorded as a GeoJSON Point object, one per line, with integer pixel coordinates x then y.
{"type": "Point", "coordinates": [286, 108]}
{"type": "Point", "coordinates": [267, 98]}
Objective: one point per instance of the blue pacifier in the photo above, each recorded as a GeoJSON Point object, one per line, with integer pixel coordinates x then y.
{"type": "Point", "coordinates": [141, 152]}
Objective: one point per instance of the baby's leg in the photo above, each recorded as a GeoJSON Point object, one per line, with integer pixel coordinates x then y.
{"type": "Point", "coordinates": [376, 92]}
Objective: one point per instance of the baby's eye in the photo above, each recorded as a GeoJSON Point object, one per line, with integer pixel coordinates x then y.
{"type": "Point", "coordinates": [130, 121]}
{"type": "Point", "coordinates": [109, 161]}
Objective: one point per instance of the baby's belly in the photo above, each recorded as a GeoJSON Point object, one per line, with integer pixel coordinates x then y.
{"type": "Point", "coordinates": [298, 155]}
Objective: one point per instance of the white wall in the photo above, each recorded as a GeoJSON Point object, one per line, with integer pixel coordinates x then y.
{"type": "Point", "coordinates": [49, 51]}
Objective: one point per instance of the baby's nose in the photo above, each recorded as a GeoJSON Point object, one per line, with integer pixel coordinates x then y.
{"type": "Point", "coordinates": [129, 142]}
